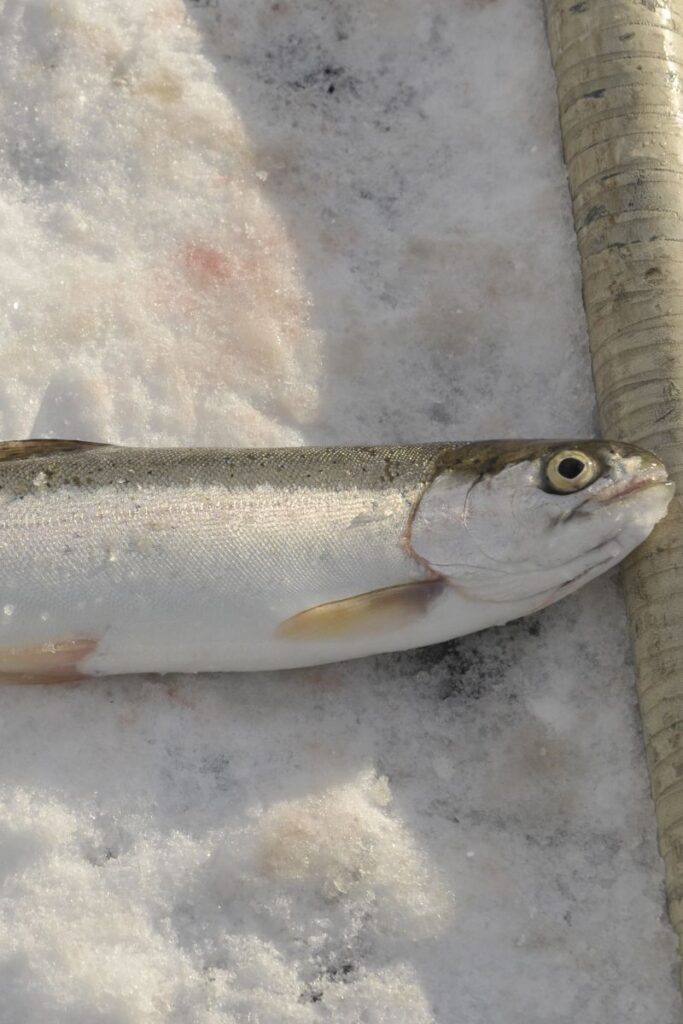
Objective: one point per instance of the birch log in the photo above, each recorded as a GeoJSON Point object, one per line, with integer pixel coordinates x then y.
{"type": "Point", "coordinates": [619, 69]}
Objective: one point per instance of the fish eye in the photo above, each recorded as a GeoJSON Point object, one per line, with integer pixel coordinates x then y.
{"type": "Point", "coordinates": [569, 471]}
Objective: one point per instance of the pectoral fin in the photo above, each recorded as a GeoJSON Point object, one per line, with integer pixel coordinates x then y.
{"type": "Point", "coordinates": [52, 662]}
{"type": "Point", "coordinates": [377, 611]}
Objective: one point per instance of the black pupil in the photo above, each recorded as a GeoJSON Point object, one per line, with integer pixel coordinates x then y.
{"type": "Point", "coordinates": [570, 468]}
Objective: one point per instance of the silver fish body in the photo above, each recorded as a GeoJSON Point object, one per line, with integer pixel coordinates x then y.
{"type": "Point", "coordinates": [119, 560]}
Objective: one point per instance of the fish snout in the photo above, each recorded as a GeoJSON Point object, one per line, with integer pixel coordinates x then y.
{"type": "Point", "coordinates": [650, 473]}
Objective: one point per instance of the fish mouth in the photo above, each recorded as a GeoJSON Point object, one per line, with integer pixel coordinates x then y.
{"type": "Point", "coordinates": [651, 477]}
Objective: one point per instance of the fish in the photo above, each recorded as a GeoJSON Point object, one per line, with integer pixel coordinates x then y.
{"type": "Point", "coordinates": [118, 560]}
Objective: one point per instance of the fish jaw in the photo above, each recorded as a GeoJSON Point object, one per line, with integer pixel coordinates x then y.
{"type": "Point", "coordinates": [640, 508]}
{"type": "Point", "coordinates": [650, 498]}
{"type": "Point", "coordinates": [635, 498]}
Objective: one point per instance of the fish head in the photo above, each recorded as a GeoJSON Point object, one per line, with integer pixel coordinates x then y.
{"type": "Point", "coordinates": [536, 519]}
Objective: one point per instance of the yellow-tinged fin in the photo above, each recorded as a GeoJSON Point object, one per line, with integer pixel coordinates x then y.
{"type": "Point", "coordinates": [43, 446]}
{"type": "Point", "coordinates": [376, 611]}
{"type": "Point", "coordinates": [55, 661]}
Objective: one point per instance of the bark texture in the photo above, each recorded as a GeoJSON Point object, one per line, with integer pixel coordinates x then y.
{"type": "Point", "coordinates": [619, 69]}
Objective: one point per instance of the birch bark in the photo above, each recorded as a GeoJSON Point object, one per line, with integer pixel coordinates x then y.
{"type": "Point", "coordinates": [619, 69]}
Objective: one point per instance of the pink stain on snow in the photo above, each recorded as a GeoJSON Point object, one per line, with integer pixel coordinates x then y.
{"type": "Point", "coordinates": [206, 266]}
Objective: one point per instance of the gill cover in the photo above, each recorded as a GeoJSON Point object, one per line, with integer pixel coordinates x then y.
{"type": "Point", "coordinates": [443, 538]}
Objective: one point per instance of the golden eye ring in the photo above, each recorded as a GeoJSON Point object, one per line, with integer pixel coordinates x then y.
{"type": "Point", "coordinates": [570, 470]}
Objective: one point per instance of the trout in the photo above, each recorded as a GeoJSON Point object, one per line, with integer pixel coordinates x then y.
{"type": "Point", "coordinates": [120, 560]}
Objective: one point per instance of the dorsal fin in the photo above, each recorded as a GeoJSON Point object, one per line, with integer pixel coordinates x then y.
{"type": "Point", "coordinates": [43, 446]}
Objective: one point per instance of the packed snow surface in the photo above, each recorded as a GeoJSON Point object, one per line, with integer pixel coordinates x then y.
{"type": "Point", "coordinates": [284, 222]}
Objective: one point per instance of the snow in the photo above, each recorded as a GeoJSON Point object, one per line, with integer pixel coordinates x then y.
{"type": "Point", "coordinates": [290, 222]}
